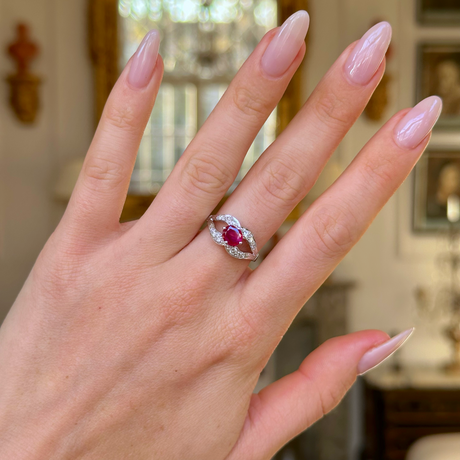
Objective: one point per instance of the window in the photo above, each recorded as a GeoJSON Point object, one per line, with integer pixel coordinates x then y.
{"type": "Point", "coordinates": [203, 44]}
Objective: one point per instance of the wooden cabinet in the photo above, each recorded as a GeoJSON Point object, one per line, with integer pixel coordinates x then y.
{"type": "Point", "coordinates": [404, 406]}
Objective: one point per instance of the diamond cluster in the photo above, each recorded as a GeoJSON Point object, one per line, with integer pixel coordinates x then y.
{"type": "Point", "coordinates": [233, 250]}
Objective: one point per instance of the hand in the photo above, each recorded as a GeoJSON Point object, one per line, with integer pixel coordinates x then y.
{"type": "Point", "coordinates": [145, 340]}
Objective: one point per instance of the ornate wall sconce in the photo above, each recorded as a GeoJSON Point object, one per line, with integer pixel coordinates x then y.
{"type": "Point", "coordinates": [24, 85]}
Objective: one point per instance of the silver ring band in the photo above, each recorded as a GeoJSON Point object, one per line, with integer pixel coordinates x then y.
{"type": "Point", "coordinates": [232, 236]}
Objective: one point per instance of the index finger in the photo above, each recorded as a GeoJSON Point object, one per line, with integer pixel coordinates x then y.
{"type": "Point", "coordinates": [100, 192]}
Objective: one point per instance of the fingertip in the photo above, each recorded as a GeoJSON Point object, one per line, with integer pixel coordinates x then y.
{"type": "Point", "coordinates": [418, 123]}
{"type": "Point", "coordinates": [382, 351]}
{"type": "Point", "coordinates": [144, 61]}
{"type": "Point", "coordinates": [341, 355]}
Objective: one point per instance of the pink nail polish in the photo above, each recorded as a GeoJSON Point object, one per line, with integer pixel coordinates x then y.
{"type": "Point", "coordinates": [380, 353]}
{"type": "Point", "coordinates": [144, 60]}
{"type": "Point", "coordinates": [418, 123]}
{"type": "Point", "coordinates": [286, 44]}
{"type": "Point", "coordinates": [368, 54]}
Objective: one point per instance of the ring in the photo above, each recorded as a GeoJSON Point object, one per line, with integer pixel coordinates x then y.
{"type": "Point", "coordinates": [232, 236]}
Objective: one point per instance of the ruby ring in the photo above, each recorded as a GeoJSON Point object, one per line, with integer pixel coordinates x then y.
{"type": "Point", "coordinates": [232, 236]}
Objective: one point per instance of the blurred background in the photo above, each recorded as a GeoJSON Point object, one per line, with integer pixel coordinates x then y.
{"type": "Point", "coordinates": [58, 62]}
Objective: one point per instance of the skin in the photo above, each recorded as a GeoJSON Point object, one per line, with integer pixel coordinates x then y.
{"type": "Point", "coordinates": [145, 340]}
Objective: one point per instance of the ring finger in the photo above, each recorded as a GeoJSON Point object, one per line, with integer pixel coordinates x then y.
{"type": "Point", "coordinates": [288, 169]}
{"type": "Point", "coordinates": [211, 162]}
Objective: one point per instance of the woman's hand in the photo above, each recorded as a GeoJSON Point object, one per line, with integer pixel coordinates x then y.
{"type": "Point", "coordinates": [145, 340]}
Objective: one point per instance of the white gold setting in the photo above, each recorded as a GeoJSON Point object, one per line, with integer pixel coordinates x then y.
{"type": "Point", "coordinates": [234, 251]}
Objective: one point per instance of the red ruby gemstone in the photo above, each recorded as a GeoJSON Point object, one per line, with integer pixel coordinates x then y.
{"type": "Point", "coordinates": [232, 235]}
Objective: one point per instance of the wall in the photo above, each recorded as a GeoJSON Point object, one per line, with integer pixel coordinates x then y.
{"type": "Point", "coordinates": [30, 157]}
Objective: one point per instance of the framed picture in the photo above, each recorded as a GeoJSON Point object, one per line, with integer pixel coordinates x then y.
{"type": "Point", "coordinates": [437, 12]}
{"type": "Point", "coordinates": [438, 73]}
{"type": "Point", "coordinates": [437, 177]}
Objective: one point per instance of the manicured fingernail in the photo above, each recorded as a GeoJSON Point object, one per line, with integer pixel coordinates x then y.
{"type": "Point", "coordinates": [418, 123]}
{"type": "Point", "coordinates": [368, 54]}
{"type": "Point", "coordinates": [377, 355]}
{"type": "Point", "coordinates": [286, 44]}
{"type": "Point", "coordinates": [144, 60]}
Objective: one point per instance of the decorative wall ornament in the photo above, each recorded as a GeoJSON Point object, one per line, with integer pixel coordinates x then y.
{"type": "Point", "coordinates": [24, 85]}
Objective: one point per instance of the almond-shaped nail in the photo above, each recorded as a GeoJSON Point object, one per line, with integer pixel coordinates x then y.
{"type": "Point", "coordinates": [418, 123]}
{"type": "Point", "coordinates": [380, 353]}
{"type": "Point", "coordinates": [285, 45]}
{"type": "Point", "coordinates": [144, 60]}
{"type": "Point", "coordinates": [368, 54]}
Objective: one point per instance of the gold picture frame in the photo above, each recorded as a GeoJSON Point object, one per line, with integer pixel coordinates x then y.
{"type": "Point", "coordinates": [437, 176]}
{"type": "Point", "coordinates": [104, 51]}
{"type": "Point", "coordinates": [438, 12]}
{"type": "Point", "coordinates": [438, 72]}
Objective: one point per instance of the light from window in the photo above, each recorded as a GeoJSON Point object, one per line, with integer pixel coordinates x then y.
{"type": "Point", "coordinates": [203, 44]}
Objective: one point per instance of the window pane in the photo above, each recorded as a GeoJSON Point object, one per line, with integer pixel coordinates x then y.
{"type": "Point", "coordinates": [171, 127]}
{"type": "Point", "coordinates": [203, 44]}
{"type": "Point", "coordinates": [210, 94]}
{"type": "Point", "coordinates": [201, 38]}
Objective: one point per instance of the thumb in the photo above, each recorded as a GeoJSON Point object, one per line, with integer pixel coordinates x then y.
{"type": "Point", "coordinates": [288, 406]}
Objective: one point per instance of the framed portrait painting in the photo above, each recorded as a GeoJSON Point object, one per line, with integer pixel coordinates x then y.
{"type": "Point", "coordinates": [439, 73]}
{"type": "Point", "coordinates": [437, 182]}
{"type": "Point", "coordinates": [438, 12]}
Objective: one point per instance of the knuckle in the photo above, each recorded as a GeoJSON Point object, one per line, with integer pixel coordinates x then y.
{"type": "Point", "coordinates": [328, 395]}
{"type": "Point", "coordinates": [181, 306]}
{"type": "Point", "coordinates": [333, 231]}
{"type": "Point", "coordinates": [183, 303]}
{"type": "Point", "coordinates": [101, 169]}
{"type": "Point", "coordinates": [242, 331]}
{"type": "Point", "coordinates": [61, 274]}
{"type": "Point", "coordinates": [205, 174]}
{"type": "Point", "coordinates": [332, 110]}
{"type": "Point", "coordinates": [121, 117]}
{"type": "Point", "coordinates": [282, 184]}
{"type": "Point", "coordinates": [378, 171]}
{"type": "Point", "coordinates": [331, 396]}
{"type": "Point", "coordinates": [250, 103]}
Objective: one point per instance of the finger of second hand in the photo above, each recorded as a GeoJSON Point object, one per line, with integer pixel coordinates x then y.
{"type": "Point", "coordinates": [320, 239]}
